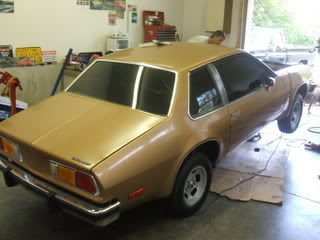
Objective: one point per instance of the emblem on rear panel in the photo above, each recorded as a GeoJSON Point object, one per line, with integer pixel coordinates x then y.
{"type": "Point", "coordinates": [81, 161]}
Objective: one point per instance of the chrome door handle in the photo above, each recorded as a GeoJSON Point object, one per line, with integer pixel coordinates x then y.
{"type": "Point", "coordinates": [235, 115]}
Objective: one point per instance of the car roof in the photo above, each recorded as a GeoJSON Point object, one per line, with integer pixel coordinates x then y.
{"type": "Point", "coordinates": [180, 57]}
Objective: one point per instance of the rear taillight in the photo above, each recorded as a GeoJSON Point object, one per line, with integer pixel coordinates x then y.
{"type": "Point", "coordinates": [10, 149]}
{"type": "Point", "coordinates": [66, 175]}
{"type": "Point", "coordinates": [85, 182]}
{"type": "Point", "coordinates": [74, 177]}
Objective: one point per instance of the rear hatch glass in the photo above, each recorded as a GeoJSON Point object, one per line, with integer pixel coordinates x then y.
{"type": "Point", "coordinates": [136, 86]}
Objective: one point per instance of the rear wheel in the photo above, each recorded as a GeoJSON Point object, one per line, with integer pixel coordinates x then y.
{"type": "Point", "coordinates": [291, 122]}
{"type": "Point", "coordinates": [192, 185]}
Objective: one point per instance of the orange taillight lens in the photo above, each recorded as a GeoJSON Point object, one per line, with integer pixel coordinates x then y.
{"type": "Point", "coordinates": [66, 174]}
{"type": "Point", "coordinates": [76, 178]}
{"type": "Point", "coordinates": [10, 148]}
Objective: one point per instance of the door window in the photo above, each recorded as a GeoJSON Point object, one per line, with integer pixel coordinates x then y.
{"type": "Point", "coordinates": [241, 75]}
{"type": "Point", "coordinates": [204, 96]}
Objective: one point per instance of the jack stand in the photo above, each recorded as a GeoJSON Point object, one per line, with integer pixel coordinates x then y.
{"type": "Point", "coordinates": [11, 83]}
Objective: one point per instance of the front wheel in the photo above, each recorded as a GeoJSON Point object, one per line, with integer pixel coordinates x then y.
{"type": "Point", "coordinates": [291, 122]}
{"type": "Point", "coordinates": [192, 185]}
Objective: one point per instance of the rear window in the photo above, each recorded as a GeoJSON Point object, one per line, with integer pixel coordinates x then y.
{"type": "Point", "coordinates": [138, 87]}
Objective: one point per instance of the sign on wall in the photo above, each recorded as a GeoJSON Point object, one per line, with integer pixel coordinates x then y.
{"type": "Point", "coordinates": [33, 53]}
{"type": "Point", "coordinates": [6, 6]}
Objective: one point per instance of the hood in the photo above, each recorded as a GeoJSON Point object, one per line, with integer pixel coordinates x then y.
{"type": "Point", "coordinates": [69, 126]}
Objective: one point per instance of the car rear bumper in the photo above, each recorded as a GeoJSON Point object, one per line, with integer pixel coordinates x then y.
{"type": "Point", "coordinates": [59, 199]}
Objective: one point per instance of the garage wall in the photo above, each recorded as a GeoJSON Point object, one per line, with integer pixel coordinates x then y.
{"type": "Point", "coordinates": [195, 17]}
{"type": "Point", "coordinates": [61, 24]}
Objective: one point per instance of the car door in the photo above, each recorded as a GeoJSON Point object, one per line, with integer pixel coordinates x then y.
{"type": "Point", "coordinates": [252, 104]}
{"type": "Point", "coordinates": [207, 107]}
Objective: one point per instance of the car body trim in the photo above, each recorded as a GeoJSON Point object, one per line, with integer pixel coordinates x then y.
{"type": "Point", "coordinates": [219, 83]}
{"type": "Point", "coordinates": [75, 206]}
{"type": "Point", "coordinates": [136, 87]}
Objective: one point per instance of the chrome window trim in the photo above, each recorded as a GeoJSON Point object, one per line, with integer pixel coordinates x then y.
{"type": "Point", "coordinates": [173, 93]}
{"type": "Point", "coordinates": [219, 83]}
{"type": "Point", "coordinates": [141, 64]}
{"type": "Point", "coordinates": [136, 87]}
{"type": "Point", "coordinates": [213, 60]}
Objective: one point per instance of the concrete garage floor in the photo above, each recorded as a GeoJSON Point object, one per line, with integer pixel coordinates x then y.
{"type": "Point", "coordinates": [24, 216]}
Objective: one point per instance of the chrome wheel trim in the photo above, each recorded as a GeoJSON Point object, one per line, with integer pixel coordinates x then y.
{"type": "Point", "coordinates": [195, 186]}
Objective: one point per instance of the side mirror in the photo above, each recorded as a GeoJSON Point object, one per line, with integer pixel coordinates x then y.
{"type": "Point", "coordinates": [270, 81]}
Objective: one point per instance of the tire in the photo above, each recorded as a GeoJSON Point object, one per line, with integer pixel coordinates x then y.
{"type": "Point", "coordinates": [291, 122]}
{"type": "Point", "coordinates": [191, 186]}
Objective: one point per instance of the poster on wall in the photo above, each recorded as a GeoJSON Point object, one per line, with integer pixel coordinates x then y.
{"type": "Point", "coordinates": [112, 17]}
{"type": "Point", "coordinates": [6, 6]}
{"type": "Point", "coordinates": [102, 5]}
{"type": "Point", "coordinates": [120, 14]}
{"type": "Point", "coordinates": [83, 3]}
{"type": "Point", "coordinates": [120, 7]}
{"type": "Point", "coordinates": [134, 17]}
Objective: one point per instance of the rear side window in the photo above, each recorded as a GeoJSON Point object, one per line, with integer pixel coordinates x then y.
{"type": "Point", "coordinates": [241, 75]}
{"type": "Point", "coordinates": [204, 96]}
{"type": "Point", "coordinates": [155, 91]}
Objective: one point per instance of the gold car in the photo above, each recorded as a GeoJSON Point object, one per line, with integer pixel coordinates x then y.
{"type": "Point", "coordinates": [143, 124]}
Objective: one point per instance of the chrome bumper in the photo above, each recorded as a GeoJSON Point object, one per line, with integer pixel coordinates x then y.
{"type": "Point", "coordinates": [96, 215]}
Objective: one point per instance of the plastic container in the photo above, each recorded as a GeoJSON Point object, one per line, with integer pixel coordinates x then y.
{"type": "Point", "coordinates": [5, 107]}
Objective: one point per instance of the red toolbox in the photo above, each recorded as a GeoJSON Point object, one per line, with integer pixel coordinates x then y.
{"type": "Point", "coordinates": [155, 29]}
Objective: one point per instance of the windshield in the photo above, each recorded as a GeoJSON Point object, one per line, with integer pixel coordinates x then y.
{"type": "Point", "coordinates": [139, 87]}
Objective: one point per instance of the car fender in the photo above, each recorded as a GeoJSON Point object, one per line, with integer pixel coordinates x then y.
{"type": "Point", "coordinates": [199, 147]}
{"type": "Point", "coordinates": [299, 76]}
